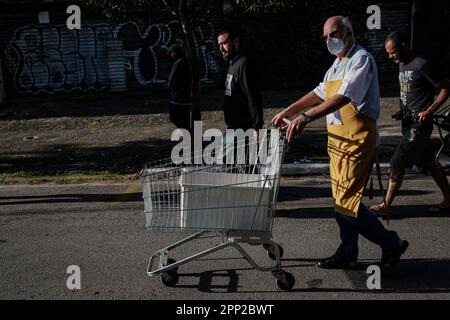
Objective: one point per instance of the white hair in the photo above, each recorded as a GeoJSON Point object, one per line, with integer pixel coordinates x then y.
{"type": "Point", "coordinates": [347, 24]}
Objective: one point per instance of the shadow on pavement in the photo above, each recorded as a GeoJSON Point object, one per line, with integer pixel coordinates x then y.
{"type": "Point", "coordinates": [411, 276]}
{"type": "Point", "coordinates": [287, 194]}
{"type": "Point", "coordinates": [398, 213]}
{"type": "Point", "coordinates": [102, 104]}
{"type": "Point", "coordinates": [292, 193]}
{"type": "Point", "coordinates": [128, 157]}
{"type": "Point", "coordinates": [72, 198]}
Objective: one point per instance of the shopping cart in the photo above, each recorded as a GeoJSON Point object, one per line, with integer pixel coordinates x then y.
{"type": "Point", "coordinates": [233, 202]}
{"type": "Point", "coordinates": [442, 120]}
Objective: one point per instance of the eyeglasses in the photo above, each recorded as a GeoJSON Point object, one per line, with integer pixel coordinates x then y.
{"type": "Point", "coordinates": [332, 34]}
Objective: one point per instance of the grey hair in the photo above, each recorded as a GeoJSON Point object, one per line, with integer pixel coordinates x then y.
{"type": "Point", "coordinates": [347, 25]}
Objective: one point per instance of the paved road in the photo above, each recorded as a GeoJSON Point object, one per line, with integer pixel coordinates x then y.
{"type": "Point", "coordinates": [45, 229]}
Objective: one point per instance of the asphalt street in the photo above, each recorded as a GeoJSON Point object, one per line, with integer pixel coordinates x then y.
{"type": "Point", "coordinates": [45, 229]}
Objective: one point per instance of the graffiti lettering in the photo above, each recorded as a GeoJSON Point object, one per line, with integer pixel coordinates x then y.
{"type": "Point", "coordinates": [50, 58]}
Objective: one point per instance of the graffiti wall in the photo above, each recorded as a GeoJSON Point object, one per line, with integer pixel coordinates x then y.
{"type": "Point", "coordinates": [50, 58]}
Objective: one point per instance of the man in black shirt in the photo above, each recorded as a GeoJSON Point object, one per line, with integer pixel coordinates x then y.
{"type": "Point", "coordinates": [418, 86]}
{"type": "Point", "coordinates": [180, 89]}
{"type": "Point", "coordinates": [242, 102]}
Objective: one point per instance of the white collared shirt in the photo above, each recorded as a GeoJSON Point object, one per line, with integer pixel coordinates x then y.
{"type": "Point", "coordinates": [360, 83]}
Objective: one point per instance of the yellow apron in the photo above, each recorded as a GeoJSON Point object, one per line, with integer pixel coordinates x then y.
{"type": "Point", "coordinates": [351, 147]}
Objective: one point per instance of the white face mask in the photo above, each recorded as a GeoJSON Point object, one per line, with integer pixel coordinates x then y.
{"type": "Point", "coordinates": [335, 45]}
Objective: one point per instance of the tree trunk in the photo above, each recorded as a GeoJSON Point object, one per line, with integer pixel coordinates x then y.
{"type": "Point", "coordinates": [192, 58]}
{"type": "Point", "coordinates": [413, 25]}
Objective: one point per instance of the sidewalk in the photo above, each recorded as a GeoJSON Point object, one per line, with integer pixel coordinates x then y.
{"type": "Point", "coordinates": [110, 138]}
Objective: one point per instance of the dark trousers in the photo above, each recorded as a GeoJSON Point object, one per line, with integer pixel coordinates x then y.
{"type": "Point", "coordinates": [180, 115]}
{"type": "Point", "coordinates": [369, 226]}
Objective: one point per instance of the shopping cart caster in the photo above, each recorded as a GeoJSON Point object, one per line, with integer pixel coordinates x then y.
{"type": "Point", "coordinates": [172, 261]}
{"type": "Point", "coordinates": [271, 251]}
{"type": "Point", "coordinates": [169, 278]}
{"type": "Point", "coordinates": [285, 280]}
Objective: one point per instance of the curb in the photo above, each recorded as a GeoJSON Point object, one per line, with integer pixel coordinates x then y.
{"type": "Point", "coordinates": [294, 169]}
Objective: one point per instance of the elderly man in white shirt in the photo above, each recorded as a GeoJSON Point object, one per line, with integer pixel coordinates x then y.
{"type": "Point", "coordinates": [349, 97]}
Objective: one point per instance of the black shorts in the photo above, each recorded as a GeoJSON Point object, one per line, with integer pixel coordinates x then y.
{"type": "Point", "coordinates": [415, 148]}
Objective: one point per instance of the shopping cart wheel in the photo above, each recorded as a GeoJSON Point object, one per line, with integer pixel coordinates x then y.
{"type": "Point", "coordinates": [271, 251]}
{"type": "Point", "coordinates": [169, 278]}
{"type": "Point", "coordinates": [285, 280]}
{"type": "Point", "coordinates": [172, 261]}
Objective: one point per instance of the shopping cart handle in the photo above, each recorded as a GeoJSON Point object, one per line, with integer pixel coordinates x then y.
{"type": "Point", "coordinates": [287, 121]}
{"type": "Point", "coordinates": [440, 116]}
{"type": "Point", "coordinates": [441, 120]}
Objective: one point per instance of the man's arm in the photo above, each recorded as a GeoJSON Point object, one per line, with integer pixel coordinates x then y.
{"type": "Point", "coordinates": [439, 81]}
{"type": "Point", "coordinates": [305, 102]}
{"type": "Point", "coordinates": [251, 90]}
{"type": "Point", "coordinates": [353, 90]}
{"type": "Point", "coordinates": [442, 97]}
{"type": "Point", "coordinates": [330, 105]}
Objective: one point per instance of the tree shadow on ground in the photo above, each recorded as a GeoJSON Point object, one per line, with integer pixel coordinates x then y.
{"type": "Point", "coordinates": [71, 198]}
{"type": "Point", "coordinates": [113, 104]}
{"type": "Point", "coordinates": [126, 158]}
{"type": "Point", "coordinates": [102, 104]}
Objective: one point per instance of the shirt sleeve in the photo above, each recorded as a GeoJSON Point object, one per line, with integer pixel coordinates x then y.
{"type": "Point", "coordinates": [250, 87]}
{"type": "Point", "coordinates": [357, 80]}
{"type": "Point", "coordinates": [320, 89]}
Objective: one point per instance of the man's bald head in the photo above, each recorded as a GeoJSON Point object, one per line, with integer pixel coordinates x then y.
{"type": "Point", "coordinates": [337, 23]}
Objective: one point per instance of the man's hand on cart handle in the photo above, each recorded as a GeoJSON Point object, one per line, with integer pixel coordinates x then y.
{"type": "Point", "coordinates": [295, 128]}
{"type": "Point", "coordinates": [281, 120]}
{"type": "Point", "coordinates": [425, 116]}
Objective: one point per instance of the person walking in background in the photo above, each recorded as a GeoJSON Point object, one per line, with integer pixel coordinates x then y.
{"type": "Point", "coordinates": [243, 107]}
{"type": "Point", "coordinates": [180, 89]}
{"type": "Point", "coordinates": [418, 86]}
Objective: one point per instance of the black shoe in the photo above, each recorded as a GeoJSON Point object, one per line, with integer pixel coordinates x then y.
{"type": "Point", "coordinates": [334, 262]}
{"type": "Point", "coordinates": [390, 258]}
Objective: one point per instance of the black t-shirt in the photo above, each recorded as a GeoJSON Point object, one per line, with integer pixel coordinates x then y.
{"type": "Point", "coordinates": [180, 82]}
{"type": "Point", "coordinates": [243, 106]}
{"type": "Point", "coordinates": [418, 84]}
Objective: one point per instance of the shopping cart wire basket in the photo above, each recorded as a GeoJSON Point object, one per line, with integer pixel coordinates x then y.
{"type": "Point", "coordinates": [442, 121]}
{"type": "Point", "coordinates": [233, 201]}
